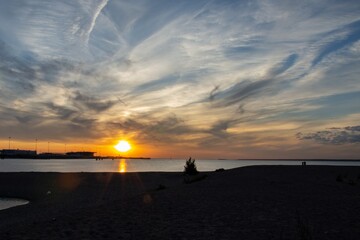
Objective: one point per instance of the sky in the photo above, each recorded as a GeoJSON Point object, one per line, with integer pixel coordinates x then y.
{"type": "Point", "coordinates": [207, 79]}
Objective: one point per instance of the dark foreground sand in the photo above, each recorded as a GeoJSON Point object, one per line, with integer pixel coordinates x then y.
{"type": "Point", "coordinates": [263, 202]}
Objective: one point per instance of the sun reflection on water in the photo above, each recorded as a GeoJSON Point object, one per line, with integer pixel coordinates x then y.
{"type": "Point", "coordinates": [122, 166]}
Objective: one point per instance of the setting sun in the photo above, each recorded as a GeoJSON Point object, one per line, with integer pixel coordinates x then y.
{"type": "Point", "coordinates": [123, 146]}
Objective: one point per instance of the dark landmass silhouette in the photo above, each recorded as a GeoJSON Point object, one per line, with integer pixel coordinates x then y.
{"type": "Point", "coordinates": [259, 202]}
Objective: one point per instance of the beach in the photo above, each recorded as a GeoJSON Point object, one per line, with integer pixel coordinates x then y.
{"type": "Point", "coordinates": [259, 202]}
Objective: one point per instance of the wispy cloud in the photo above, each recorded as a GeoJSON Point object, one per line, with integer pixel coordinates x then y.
{"type": "Point", "coordinates": [92, 103]}
{"type": "Point", "coordinates": [97, 11]}
{"type": "Point", "coordinates": [348, 35]}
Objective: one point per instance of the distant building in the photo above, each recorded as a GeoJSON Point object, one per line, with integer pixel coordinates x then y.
{"type": "Point", "coordinates": [17, 153]}
{"type": "Point", "coordinates": [80, 154]}
{"type": "Point", "coordinates": [47, 155]}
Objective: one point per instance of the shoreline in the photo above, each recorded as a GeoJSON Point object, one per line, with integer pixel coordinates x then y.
{"type": "Point", "coordinates": [257, 202]}
{"type": "Point", "coordinates": [6, 203]}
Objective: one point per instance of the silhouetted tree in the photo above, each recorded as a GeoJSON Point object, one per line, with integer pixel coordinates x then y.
{"type": "Point", "coordinates": [190, 167]}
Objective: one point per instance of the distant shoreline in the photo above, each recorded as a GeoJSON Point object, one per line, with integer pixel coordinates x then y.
{"type": "Point", "coordinates": [71, 157]}
{"type": "Point", "coordinates": [49, 157]}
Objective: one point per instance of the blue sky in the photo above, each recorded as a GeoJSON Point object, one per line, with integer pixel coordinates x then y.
{"type": "Point", "coordinates": [236, 79]}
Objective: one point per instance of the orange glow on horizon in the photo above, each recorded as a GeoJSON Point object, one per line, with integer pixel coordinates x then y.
{"type": "Point", "coordinates": [103, 147]}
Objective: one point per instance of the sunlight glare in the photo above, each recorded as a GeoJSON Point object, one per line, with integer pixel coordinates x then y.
{"type": "Point", "coordinates": [123, 146]}
{"type": "Point", "coordinates": [122, 166]}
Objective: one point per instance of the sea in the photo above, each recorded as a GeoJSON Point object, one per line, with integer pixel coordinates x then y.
{"type": "Point", "coordinates": [145, 165]}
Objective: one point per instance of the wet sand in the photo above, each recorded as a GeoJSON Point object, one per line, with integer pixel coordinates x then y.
{"type": "Point", "coordinates": [260, 202]}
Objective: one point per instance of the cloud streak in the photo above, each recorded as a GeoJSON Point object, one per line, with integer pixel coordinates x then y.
{"type": "Point", "coordinates": [246, 89]}
{"type": "Point", "coordinates": [352, 35]}
{"type": "Point", "coordinates": [97, 12]}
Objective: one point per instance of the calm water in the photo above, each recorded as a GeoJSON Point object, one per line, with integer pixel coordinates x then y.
{"type": "Point", "coordinates": [10, 202]}
{"type": "Point", "coordinates": [140, 165]}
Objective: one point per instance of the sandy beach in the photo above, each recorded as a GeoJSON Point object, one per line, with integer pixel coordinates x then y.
{"type": "Point", "coordinates": [261, 202]}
